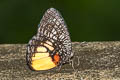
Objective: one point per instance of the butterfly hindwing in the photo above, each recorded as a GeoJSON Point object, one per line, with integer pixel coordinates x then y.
{"type": "Point", "coordinates": [53, 39]}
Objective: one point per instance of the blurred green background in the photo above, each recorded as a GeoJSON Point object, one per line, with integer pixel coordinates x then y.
{"type": "Point", "coordinates": [87, 20]}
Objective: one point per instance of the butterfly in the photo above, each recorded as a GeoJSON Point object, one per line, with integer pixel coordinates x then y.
{"type": "Point", "coordinates": [51, 47]}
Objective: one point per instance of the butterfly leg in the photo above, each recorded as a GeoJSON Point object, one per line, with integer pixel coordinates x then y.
{"type": "Point", "coordinates": [59, 67]}
{"type": "Point", "coordinates": [72, 64]}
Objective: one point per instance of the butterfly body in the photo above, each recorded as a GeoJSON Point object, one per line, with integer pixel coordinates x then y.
{"type": "Point", "coordinates": [51, 46]}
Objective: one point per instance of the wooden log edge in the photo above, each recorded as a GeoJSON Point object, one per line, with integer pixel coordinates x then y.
{"type": "Point", "coordinates": [92, 61]}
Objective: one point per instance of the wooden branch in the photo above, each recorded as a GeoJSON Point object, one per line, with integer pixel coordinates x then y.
{"type": "Point", "coordinates": [92, 61]}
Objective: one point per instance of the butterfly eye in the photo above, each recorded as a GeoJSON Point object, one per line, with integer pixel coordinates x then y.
{"type": "Point", "coordinates": [51, 46]}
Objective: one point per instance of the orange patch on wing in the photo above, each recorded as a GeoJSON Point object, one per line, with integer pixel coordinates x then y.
{"type": "Point", "coordinates": [56, 58]}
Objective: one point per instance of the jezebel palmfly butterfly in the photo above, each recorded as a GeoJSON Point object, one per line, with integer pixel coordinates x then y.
{"type": "Point", "coordinates": [51, 47]}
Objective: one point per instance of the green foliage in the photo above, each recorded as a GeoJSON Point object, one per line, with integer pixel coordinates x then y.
{"type": "Point", "coordinates": [87, 20]}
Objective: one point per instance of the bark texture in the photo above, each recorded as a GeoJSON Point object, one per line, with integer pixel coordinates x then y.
{"type": "Point", "coordinates": [92, 61]}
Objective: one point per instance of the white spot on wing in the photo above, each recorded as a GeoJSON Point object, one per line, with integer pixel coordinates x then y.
{"type": "Point", "coordinates": [57, 23]}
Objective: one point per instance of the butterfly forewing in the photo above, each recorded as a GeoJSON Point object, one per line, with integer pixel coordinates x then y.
{"type": "Point", "coordinates": [53, 32]}
{"type": "Point", "coordinates": [54, 28]}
